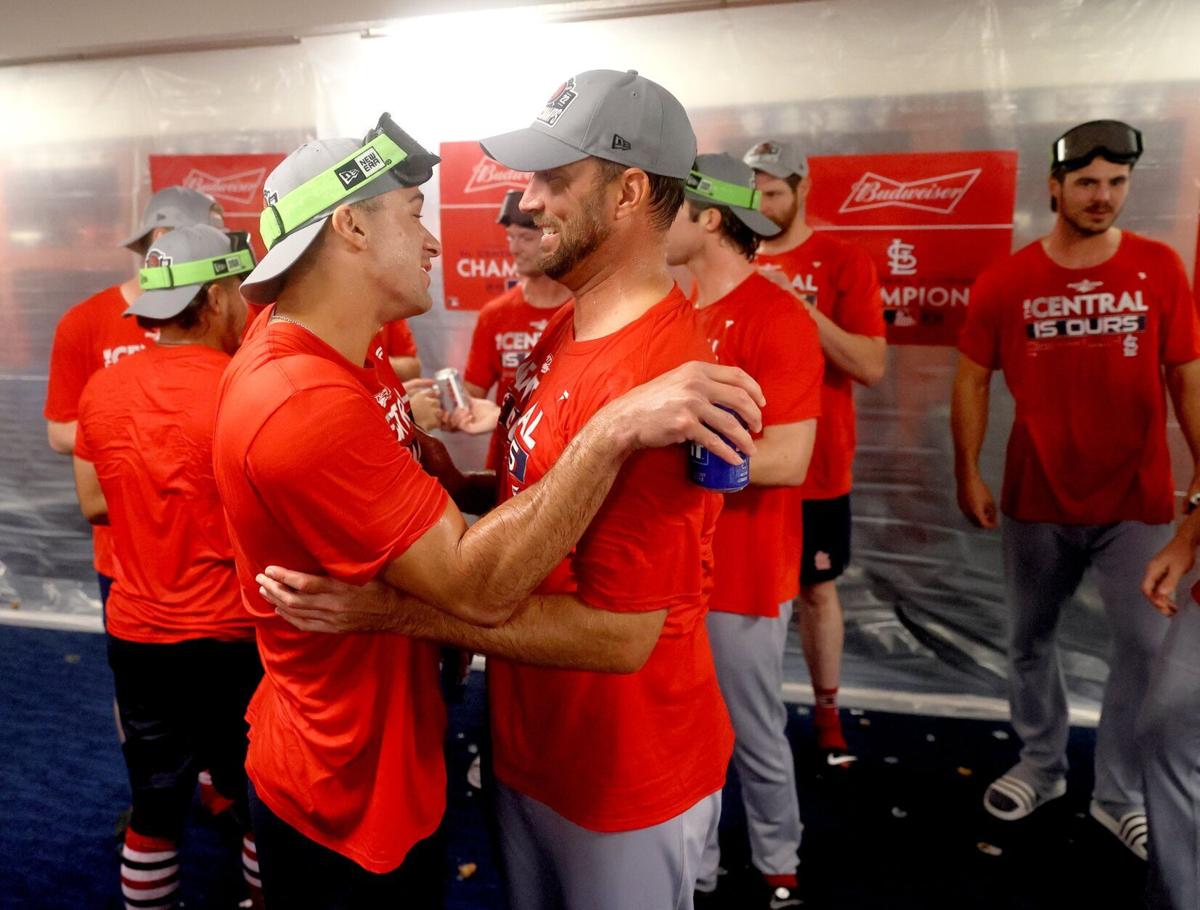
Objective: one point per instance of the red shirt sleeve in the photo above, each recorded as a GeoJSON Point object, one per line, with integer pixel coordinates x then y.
{"type": "Point", "coordinates": [859, 307]}
{"type": "Point", "coordinates": [483, 366]}
{"type": "Point", "coordinates": [620, 562]}
{"type": "Point", "coordinates": [399, 341]}
{"type": "Point", "coordinates": [356, 507]}
{"type": "Point", "coordinates": [1180, 329]}
{"type": "Point", "coordinates": [85, 444]}
{"type": "Point", "coordinates": [979, 338]}
{"type": "Point", "coordinates": [786, 360]}
{"type": "Point", "coordinates": [69, 369]}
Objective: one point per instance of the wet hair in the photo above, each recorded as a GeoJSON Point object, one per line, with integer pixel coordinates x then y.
{"type": "Point", "coordinates": [736, 234]}
{"type": "Point", "coordinates": [666, 193]}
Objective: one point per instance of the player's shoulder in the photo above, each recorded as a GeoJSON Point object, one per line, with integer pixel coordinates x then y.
{"type": "Point", "coordinates": [1145, 249]}
{"type": "Point", "coordinates": [512, 298]}
{"type": "Point", "coordinates": [1015, 267]}
{"type": "Point", "coordinates": [673, 333]}
{"type": "Point", "coordinates": [108, 303]}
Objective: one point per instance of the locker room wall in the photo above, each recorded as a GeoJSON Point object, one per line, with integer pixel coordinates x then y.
{"type": "Point", "coordinates": [847, 76]}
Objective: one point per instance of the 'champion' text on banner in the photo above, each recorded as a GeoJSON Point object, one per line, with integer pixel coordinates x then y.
{"type": "Point", "coordinates": [931, 222]}
{"type": "Point", "coordinates": [235, 181]}
{"type": "Point", "coordinates": [475, 257]}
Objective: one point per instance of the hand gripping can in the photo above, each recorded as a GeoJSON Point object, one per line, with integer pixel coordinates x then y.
{"type": "Point", "coordinates": [450, 390]}
{"type": "Point", "coordinates": [713, 472]}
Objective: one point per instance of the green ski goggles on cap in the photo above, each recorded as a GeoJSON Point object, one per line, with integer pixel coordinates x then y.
{"type": "Point", "coordinates": [200, 271]}
{"type": "Point", "coordinates": [385, 147]}
{"type": "Point", "coordinates": [722, 192]}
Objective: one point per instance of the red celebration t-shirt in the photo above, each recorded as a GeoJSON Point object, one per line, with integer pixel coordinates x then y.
{"type": "Point", "coordinates": [616, 752]}
{"type": "Point", "coordinates": [1082, 352]}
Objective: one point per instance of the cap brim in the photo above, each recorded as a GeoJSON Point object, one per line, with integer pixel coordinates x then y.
{"type": "Point", "coordinates": [774, 168]}
{"type": "Point", "coordinates": [133, 242]}
{"type": "Point", "coordinates": [163, 304]}
{"type": "Point", "coordinates": [264, 283]}
{"type": "Point", "coordinates": [530, 150]}
{"type": "Point", "coordinates": [756, 221]}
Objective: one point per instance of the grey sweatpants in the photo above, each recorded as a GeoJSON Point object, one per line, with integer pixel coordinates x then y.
{"type": "Point", "coordinates": [748, 653]}
{"type": "Point", "coordinates": [554, 864]}
{"type": "Point", "coordinates": [1169, 739]}
{"type": "Point", "coordinates": [1044, 564]}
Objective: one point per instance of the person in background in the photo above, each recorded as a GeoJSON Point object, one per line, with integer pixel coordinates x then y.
{"type": "Point", "coordinates": [753, 324]}
{"type": "Point", "coordinates": [180, 643]}
{"type": "Point", "coordinates": [837, 283]}
{"type": "Point", "coordinates": [1092, 326]}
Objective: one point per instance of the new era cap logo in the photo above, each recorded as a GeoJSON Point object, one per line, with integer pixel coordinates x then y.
{"type": "Point", "coordinates": [558, 103]}
{"type": "Point", "coordinates": [240, 187]}
{"type": "Point", "coordinates": [621, 144]}
{"type": "Point", "coordinates": [360, 168]}
{"type": "Point", "coordinates": [931, 194]}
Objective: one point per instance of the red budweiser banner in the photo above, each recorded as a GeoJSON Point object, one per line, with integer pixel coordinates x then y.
{"type": "Point", "coordinates": [475, 261]}
{"type": "Point", "coordinates": [931, 221]}
{"type": "Point", "coordinates": [235, 181]}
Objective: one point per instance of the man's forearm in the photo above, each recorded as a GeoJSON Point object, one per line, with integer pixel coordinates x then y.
{"type": "Point", "coordinates": [548, 631]}
{"type": "Point", "coordinates": [968, 424]}
{"type": "Point", "coordinates": [1183, 381]}
{"type": "Point", "coordinates": [862, 356]}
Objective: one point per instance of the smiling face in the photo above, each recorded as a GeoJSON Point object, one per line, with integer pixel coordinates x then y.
{"type": "Point", "coordinates": [570, 205]}
{"type": "Point", "coordinates": [1090, 199]}
{"type": "Point", "coordinates": [402, 250]}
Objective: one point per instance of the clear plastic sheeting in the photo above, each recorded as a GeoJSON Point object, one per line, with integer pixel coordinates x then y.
{"type": "Point", "coordinates": [923, 602]}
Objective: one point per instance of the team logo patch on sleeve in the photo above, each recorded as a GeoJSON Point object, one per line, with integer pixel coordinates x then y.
{"type": "Point", "coordinates": [558, 103]}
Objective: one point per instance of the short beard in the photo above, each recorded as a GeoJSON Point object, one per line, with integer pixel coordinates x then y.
{"type": "Point", "coordinates": [578, 239]}
{"type": "Point", "coordinates": [785, 221]}
{"type": "Point", "coordinates": [1086, 230]}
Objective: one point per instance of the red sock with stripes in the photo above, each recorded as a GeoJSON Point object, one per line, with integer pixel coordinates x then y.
{"type": "Point", "coordinates": [250, 871]}
{"type": "Point", "coordinates": [827, 722]}
{"type": "Point", "coordinates": [210, 798]}
{"type": "Point", "coordinates": [149, 872]}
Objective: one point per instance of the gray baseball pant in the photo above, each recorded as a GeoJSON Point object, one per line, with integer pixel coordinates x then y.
{"type": "Point", "coordinates": [748, 653]}
{"type": "Point", "coordinates": [554, 864]}
{"type": "Point", "coordinates": [1044, 564]}
{"type": "Point", "coordinates": [1170, 741]}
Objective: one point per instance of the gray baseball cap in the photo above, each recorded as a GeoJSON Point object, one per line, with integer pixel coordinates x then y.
{"type": "Point", "coordinates": [620, 117]}
{"type": "Point", "coordinates": [307, 162]}
{"type": "Point", "coordinates": [722, 180]}
{"type": "Point", "coordinates": [779, 159]}
{"type": "Point", "coordinates": [510, 211]}
{"type": "Point", "coordinates": [182, 261]}
{"type": "Point", "coordinates": [175, 207]}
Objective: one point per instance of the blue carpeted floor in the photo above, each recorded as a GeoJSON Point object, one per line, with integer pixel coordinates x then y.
{"type": "Point", "coordinates": [903, 829]}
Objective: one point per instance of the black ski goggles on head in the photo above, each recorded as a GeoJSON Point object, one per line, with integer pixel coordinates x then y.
{"type": "Point", "coordinates": [1111, 140]}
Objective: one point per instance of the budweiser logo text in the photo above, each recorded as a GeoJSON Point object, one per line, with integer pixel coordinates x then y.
{"type": "Point", "coordinates": [489, 174]}
{"type": "Point", "coordinates": [932, 194]}
{"type": "Point", "coordinates": [242, 187]}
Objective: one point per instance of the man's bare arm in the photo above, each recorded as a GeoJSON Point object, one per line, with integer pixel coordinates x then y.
{"type": "Point", "coordinates": [1184, 383]}
{"type": "Point", "coordinates": [968, 424]}
{"type": "Point", "coordinates": [864, 357]}
{"type": "Point", "coordinates": [551, 631]}
{"type": "Point", "coordinates": [87, 489]}
{"type": "Point", "coordinates": [483, 573]}
{"type": "Point", "coordinates": [783, 455]}
{"type": "Point", "coordinates": [406, 368]}
{"type": "Point", "coordinates": [61, 436]}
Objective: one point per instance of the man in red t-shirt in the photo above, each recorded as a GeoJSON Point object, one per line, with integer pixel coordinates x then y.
{"type": "Point", "coordinates": [180, 644]}
{"type": "Point", "coordinates": [401, 349]}
{"type": "Point", "coordinates": [753, 324]}
{"type": "Point", "coordinates": [92, 335]}
{"type": "Point", "coordinates": [1086, 323]}
{"type": "Point", "coordinates": [836, 281]}
{"type": "Point", "coordinates": [509, 326]}
{"type": "Point", "coordinates": [345, 755]}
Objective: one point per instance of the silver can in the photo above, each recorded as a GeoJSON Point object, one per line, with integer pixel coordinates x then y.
{"type": "Point", "coordinates": [451, 390]}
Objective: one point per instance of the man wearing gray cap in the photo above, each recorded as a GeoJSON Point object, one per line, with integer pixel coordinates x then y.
{"type": "Point", "coordinates": [509, 326]}
{"type": "Point", "coordinates": [92, 335]}
{"type": "Point", "coordinates": [753, 324]}
{"type": "Point", "coordinates": [180, 644]}
{"type": "Point", "coordinates": [837, 283]}
{"type": "Point", "coordinates": [313, 461]}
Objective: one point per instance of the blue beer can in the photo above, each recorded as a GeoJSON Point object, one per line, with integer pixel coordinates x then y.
{"type": "Point", "coordinates": [714, 473]}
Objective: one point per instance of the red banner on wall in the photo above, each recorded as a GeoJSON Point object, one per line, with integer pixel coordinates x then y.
{"type": "Point", "coordinates": [475, 261]}
{"type": "Point", "coordinates": [235, 181]}
{"type": "Point", "coordinates": [931, 221]}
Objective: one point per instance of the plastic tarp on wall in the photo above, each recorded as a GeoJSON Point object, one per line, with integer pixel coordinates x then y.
{"type": "Point", "coordinates": [925, 618]}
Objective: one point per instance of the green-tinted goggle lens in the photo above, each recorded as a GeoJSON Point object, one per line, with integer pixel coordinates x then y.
{"type": "Point", "coordinates": [197, 272]}
{"type": "Point", "coordinates": [376, 157]}
{"type": "Point", "coordinates": [722, 192]}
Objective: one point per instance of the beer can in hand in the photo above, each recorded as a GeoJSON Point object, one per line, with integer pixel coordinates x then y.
{"type": "Point", "coordinates": [450, 389]}
{"type": "Point", "coordinates": [713, 472]}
